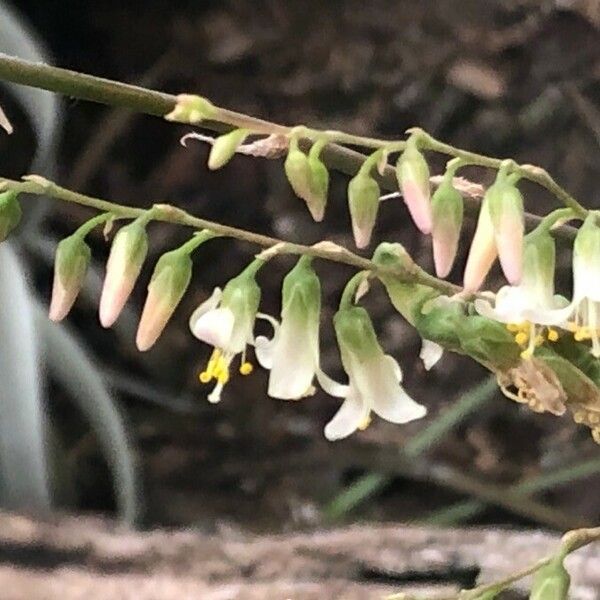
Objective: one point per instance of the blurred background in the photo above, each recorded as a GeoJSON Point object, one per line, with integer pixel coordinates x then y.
{"type": "Point", "coordinates": [88, 424]}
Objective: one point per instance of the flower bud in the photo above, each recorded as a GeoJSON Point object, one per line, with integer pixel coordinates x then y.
{"type": "Point", "coordinates": [506, 211]}
{"type": "Point", "coordinates": [127, 254]}
{"type": "Point", "coordinates": [10, 213]}
{"type": "Point", "coordinates": [319, 186]}
{"type": "Point", "coordinates": [551, 582]}
{"type": "Point", "coordinates": [168, 284]}
{"type": "Point", "coordinates": [363, 201]}
{"type": "Point", "coordinates": [191, 109]}
{"type": "Point", "coordinates": [412, 173]}
{"type": "Point", "coordinates": [70, 266]}
{"type": "Point", "coordinates": [482, 253]}
{"type": "Point", "coordinates": [447, 210]}
{"type": "Point", "coordinates": [225, 147]}
{"type": "Point", "coordinates": [297, 170]}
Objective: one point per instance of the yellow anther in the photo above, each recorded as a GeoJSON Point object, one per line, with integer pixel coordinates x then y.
{"type": "Point", "coordinates": [513, 327]}
{"type": "Point", "coordinates": [204, 377]}
{"type": "Point", "coordinates": [528, 353]}
{"type": "Point", "coordinates": [365, 422]}
{"type": "Point", "coordinates": [223, 377]}
{"type": "Point", "coordinates": [539, 340]}
{"type": "Point", "coordinates": [521, 338]}
{"type": "Point", "coordinates": [580, 335]}
{"type": "Point", "coordinates": [553, 335]}
{"type": "Point", "coordinates": [246, 368]}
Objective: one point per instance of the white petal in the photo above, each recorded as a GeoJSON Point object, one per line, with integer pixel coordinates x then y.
{"type": "Point", "coordinates": [264, 350]}
{"type": "Point", "coordinates": [211, 302]}
{"type": "Point", "coordinates": [556, 317]}
{"type": "Point", "coordinates": [215, 327]}
{"type": "Point", "coordinates": [430, 353]}
{"type": "Point", "coordinates": [378, 385]}
{"type": "Point", "coordinates": [350, 416]}
{"type": "Point", "coordinates": [330, 386]}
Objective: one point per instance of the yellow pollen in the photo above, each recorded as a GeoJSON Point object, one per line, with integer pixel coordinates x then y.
{"type": "Point", "coordinates": [521, 338]}
{"type": "Point", "coordinates": [581, 334]}
{"type": "Point", "coordinates": [513, 327]}
{"type": "Point", "coordinates": [246, 368]}
{"type": "Point", "coordinates": [223, 377]}
{"type": "Point", "coordinates": [527, 353]}
{"type": "Point", "coordinates": [539, 340]}
{"type": "Point", "coordinates": [204, 377]}
{"type": "Point", "coordinates": [553, 335]}
{"type": "Point", "coordinates": [365, 422]}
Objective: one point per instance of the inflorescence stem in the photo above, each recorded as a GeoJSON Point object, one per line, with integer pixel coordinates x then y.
{"type": "Point", "coordinates": [34, 184]}
{"type": "Point", "coordinates": [105, 91]}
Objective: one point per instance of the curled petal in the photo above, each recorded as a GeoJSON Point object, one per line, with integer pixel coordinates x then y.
{"type": "Point", "coordinates": [211, 302]}
{"type": "Point", "coordinates": [350, 416]}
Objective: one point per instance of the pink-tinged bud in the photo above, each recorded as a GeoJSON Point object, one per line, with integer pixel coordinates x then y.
{"type": "Point", "coordinates": [506, 211]}
{"type": "Point", "coordinates": [169, 282]}
{"type": "Point", "coordinates": [482, 253]}
{"type": "Point", "coordinates": [70, 266]}
{"type": "Point", "coordinates": [363, 202]}
{"type": "Point", "coordinates": [447, 210]}
{"type": "Point", "coordinates": [127, 254]}
{"type": "Point", "coordinates": [412, 173]}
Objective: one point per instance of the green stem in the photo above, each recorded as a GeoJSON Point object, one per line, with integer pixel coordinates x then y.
{"type": "Point", "coordinates": [199, 238]}
{"type": "Point", "coordinates": [105, 91]}
{"type": "Point", "coordinates": [36, 185]}
{"type": "Point", "coordinates": [347, 299]}
{"type": "Point", "coordinates": [90, 225]}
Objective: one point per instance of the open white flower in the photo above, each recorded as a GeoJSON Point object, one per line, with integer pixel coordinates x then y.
{"type": "Point", "coordinates": [292, 354]}
{"type": "Point", "coordinates": [374, 376]}
{"type": "Point", "coordinates": [525, 307]}
{"type": "Point", "coordinates": [226, 321]}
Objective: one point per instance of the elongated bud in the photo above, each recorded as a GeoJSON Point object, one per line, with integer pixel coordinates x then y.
{"type": "Point", "coordinates": [192, 109]}
{"type": "Point", "coordinates": [297, 170]}
{"type": "Point", "coordinates": [363, 202]}
{"type": "Point", "coordinates": [225, 147]}
{"type": "Point", "coordinates": [482, 253]}
{"type": "Point", "coordinates": [412, 172]}
{"type": "Point", "coordinates": [127, 254]}
{"type": "Point", "coordinates": [168, 284]}
{"type": "Point", "coordinates": [319, 187]}
{"type": "Point", "coordinates": [586, 265]}
{"type": "Point", "coordinates": [506, 212]}
{"type": "Point", "coordinates": [70, 266]}
{"type": "Point", "coordinates": [10, 213]}
{"type": "Point", "coordinates": [551, 582]}
{"type": "Point", "coordinates": [447, 208]}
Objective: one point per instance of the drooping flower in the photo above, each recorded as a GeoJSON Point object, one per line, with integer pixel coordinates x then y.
{"type": "Point", "coordinates": [582, 315]}
{"type": "Point", "coordinates": [70, 266]}
{"type": "Point", "coordinates": [363, 202]}
{"type": "Point", "coordinates": [374, 378]}
{"type": "Point", "coordinates": [447, 208]}
{"type": "Point", "coordinates": [292, 355]}
{"type": "Point", "coordinates": [226, 322]}
{"type": "Point", "coordinates": [523, 308]}
{"type": "Point", "coordinates": [412, 173]}
{"type": "Point", "coordinates": [127, 255]}
{"type": "Point", "coordinates": [499, 233]}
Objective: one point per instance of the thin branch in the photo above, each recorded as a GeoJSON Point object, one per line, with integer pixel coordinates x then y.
{"type": "Point", "coordinates": [412, 273]}
{"type": "Point", "coordinates": [105, 91]}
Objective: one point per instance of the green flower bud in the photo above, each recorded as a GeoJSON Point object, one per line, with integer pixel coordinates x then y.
{"type": "Point", "coordinates": [170, 280]}
{"type": "Point", "coordinates": [127, 255]}
{"type": "Point", "coordinates": [225, 147]}
{"type": "Point", "coordinates": [363, 202]}
{"type": "Point", "coordinates": [551, 582]}
{"type": "Point", "coordinates": [192, 109]}
{"type": "Point", "coordinates": [412, 173]}
{"type": "Point", "coordinates": [297, 170]}
{"type": "Point", "coordinates": [447, 209]}
{"type": "Point", "coordinates": [319, 187]}
{"type": "Point", "coordinates": [10, 213]}
{"type": "Point", "coordinates": [70, 266]}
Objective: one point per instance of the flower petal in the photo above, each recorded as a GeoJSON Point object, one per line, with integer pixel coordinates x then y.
{"type": "Point", "coordinates": [348, 418]}
{"type": "Point", "coordinates": [330, 386]}
{"type": "Point", "coordinates": [211, 302]}
{"type": "Point", "coordinates": [430, 353]}
{"type": "Point", "coordinates": [215, 327]}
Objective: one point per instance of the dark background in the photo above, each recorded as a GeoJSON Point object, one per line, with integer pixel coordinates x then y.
{"type": "Point", "coordinates": [513, 78]}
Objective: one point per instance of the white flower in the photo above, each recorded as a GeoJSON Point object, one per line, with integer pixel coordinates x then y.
{"type": "Point", "coordinates": [524, 307]}
{"type": "Point", "coordinates": [226, 321]}
{"type": "Point", "coordinates": [375, 379]}
{"type": "Point", "coordinates": [430, 353]}
{"type": "Point", "coordinates": [292, 355]}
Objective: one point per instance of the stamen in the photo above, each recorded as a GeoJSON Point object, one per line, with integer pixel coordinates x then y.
{"type": "Point", "coordinates": [246, 368]}
{"type": "Point", "coordinates": [204, 377]}
{"type": "Point", "coordinates": [552, 335]}
{"type": "Point", "coordinates": [521, 338]}
{"type": "Point", "coordinates": [365, 422]}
